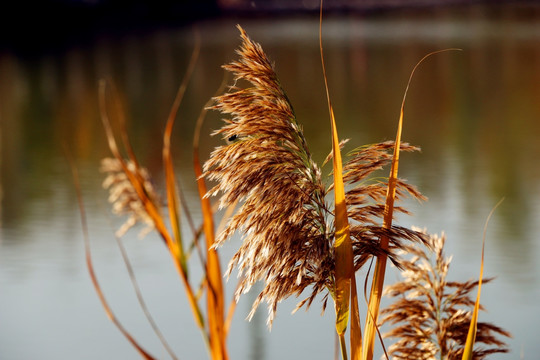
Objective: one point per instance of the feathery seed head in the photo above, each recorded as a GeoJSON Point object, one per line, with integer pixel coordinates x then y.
{"type": "Point", "coordinates": [123, 196]}
{"type": "Point", "coordinates": [269, 168]}
{"type": "Point", "coordinates": [431, 315]}
{"type": "Point", "coordinates": [287, 229]}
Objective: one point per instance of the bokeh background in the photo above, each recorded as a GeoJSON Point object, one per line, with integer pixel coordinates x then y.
{"type": "Point", "coordinates": [475, 113]}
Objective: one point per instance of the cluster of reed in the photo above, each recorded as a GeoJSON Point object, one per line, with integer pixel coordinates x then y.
{"type": "Point", "coordinates": [133, 195]}
{"type": "Point", "coordinates": [295, 239]}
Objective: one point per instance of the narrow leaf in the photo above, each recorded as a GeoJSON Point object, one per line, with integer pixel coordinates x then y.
{"type": "Point", "coordinates": [356, 331]}
{"type": "Point", "coordinates": [151, 209]}
{"type": "Point", "coordinates": [215, 294]}
{"type": "Point", "coordinates": [468, 350]}
{"type": "Point", "coordinates": [380, 265]}
{"type": "Point", "coordinates": [93, 277]}
{"type": "Point", "coordinates": [170, 178]}
{"type": "Point", "coordinates": [344, 268]}
{"type": "Point", "coordinates": [342, 243]}
{"type": "Point", "coordinates": [133, 175]}
{"type": "Point", "coordinates": [175, 244]}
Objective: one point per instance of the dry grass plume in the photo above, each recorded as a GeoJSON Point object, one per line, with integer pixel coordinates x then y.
{"type": "Point", "coordinates": [287, 230]}
{"type": "Point", "coordinates": [430, 315]}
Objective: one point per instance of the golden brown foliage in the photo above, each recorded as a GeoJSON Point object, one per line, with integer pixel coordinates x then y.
{"type": "Point", "coordinates": [132, 194]}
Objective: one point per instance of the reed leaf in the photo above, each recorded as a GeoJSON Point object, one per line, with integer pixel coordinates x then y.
{"type": "Point", "coordinates": [215, 291]}
{"type": "Point", "coordinates": [176, 245]}
{"type": "Point", "coordinates": [342, 242]}
{"type": "Point", "coordinates": [345, 282]}
{"type": "Point", "coordinates": [380, 265]}
{"type": "Point", "coordinates": [138, 185]}
{"type": "Point", "coordinates": [344, 266]}
{"type": "Point", "coordinates": [356, 330]}
{"type": "Point", "coordinates": [468, 350]}
{"type": "Point", "coordinates": [170, 177]}
{"type": "Point", "coordinates": [344, 273]}
{"type": "Point", "coordinates": [172, 198]}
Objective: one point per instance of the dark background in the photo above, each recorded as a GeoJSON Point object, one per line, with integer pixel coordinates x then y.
{"type": "Point", "coordinates": [33, 26]}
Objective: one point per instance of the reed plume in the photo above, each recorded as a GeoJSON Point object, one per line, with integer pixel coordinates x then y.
{"type": "Point", "coordinates": [270, 169]}
{"type": "Point", "coordinates": [286, 226]}
{"type": "Point", "coordinates": [431, 315]}
{"type": "Point", "coordinates": [365, 202]}
{"type": "Point", "coordinates": [124, 198]}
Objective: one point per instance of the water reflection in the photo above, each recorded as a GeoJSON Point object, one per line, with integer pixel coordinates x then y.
{"type": "Point", "coordinates": [473, 112]}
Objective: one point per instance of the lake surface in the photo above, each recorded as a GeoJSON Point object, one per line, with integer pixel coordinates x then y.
{"type": "Point", "coordinates": [474, 112]}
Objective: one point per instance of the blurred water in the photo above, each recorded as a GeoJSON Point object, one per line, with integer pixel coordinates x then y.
{"type": "Point", "coordinates": [474, 113]}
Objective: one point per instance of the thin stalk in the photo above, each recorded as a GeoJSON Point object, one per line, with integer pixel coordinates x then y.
{"type": "Point", "coordinates": [172, 197]}
{"type": "Point", "coordinates": [141, 300]}
{"type": "Point", "coordinates": [344, 267]}
{"type": "Point", "coordinates": [380, 265]}
{"type": "Point", "coordinates": [468, 351]}
{"type": "Point", "coordinates": [93, 277]}
{"type": "Point", "coordinates": [343, 346]}
{"type": "Point", "coordinates": [153, 212]}
{"type": "Point", "coordinates": [215, 291]}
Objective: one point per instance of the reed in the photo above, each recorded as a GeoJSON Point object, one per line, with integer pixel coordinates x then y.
{"type": "Point", "coordinates": [294, 238]}
{"type": "Point", "coordinates": [430, 315]}
{"type": "Point", "coordinates": [288, 228]}
{"type": "Point", "coordinates": [133, 195]}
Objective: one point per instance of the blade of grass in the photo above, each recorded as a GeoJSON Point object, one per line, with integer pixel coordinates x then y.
{"type": "Point", "coordinates": [215, 294]}
{"type": "Point", "coordinates": [152, 210]}
{"type": "Point", "coordinates": [344, 271]}
{"type": "Point", "coordinates": [172, 197]}
{"type": "Point", "coordinates": [380, 265]}
{"type": "Point", "coordinates": [90, 267]}
{"type": "Point", "coordinates": [356, 330]}
{"type": "Point", "coordinates": [136, 181]}
{"type": "Point", "coordinates": [121, 120]}
{"type": "Point", "coordinates": [366, 300]}
{"type": "Point", "coordinates": [141, 300]}
{"type": "Point", "coordinates": [468, 350]}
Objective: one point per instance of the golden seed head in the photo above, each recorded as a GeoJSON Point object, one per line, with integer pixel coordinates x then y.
{"type": "Point", "coordinates": [286, 226]}
{"type": "Point", "coordinates": [431, 315]}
